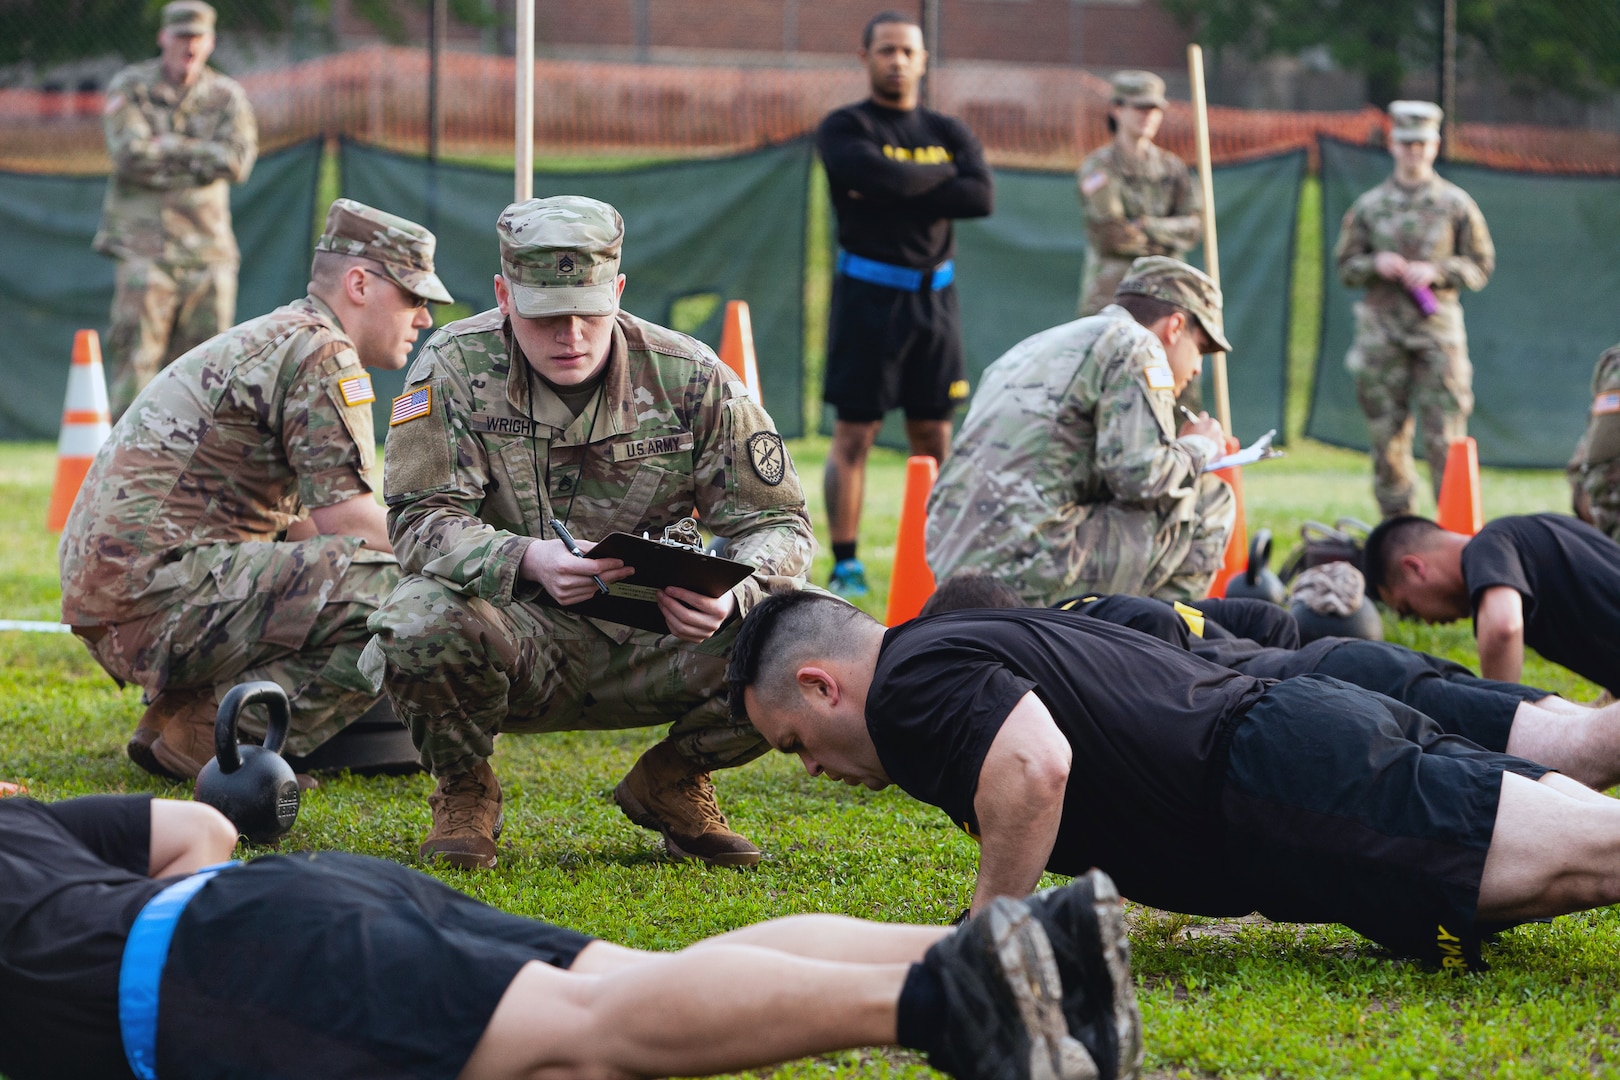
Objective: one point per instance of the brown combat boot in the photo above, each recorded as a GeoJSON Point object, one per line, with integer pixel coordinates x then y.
{"type": "Point", "coordinates": [663, 794]}
{"type": "Point", "coordinates": [175, 736]}
{"type": "Point", "coordinates": [466, 819]}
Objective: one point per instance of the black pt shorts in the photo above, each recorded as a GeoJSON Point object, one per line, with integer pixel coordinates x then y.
{"type": "Point", "coordinates": [889, 348]}
{"type": "Point", "coordinates": [338, 965]}
{"type": "Point", "coordinates": [1346, 806]}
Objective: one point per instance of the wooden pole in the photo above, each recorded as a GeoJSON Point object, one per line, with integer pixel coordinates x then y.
{"type": "Point", "coordinates": [1212, 254]}
{"type": "Point", "coordinates": [523, 167]}
{"type": "Point", "coordinates": [438, 16]}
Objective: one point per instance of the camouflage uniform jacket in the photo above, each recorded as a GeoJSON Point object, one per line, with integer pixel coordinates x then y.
{"type": "Point", "coordinates": [472, 480]}
{"type": "Point", "coordinates": [1076, 417]}
{"type": "Point", "coordinates": [1135, 208]}
{"type": "Point", "coordinates": [1594, 471]}
{"type": "Point", "coordinates": [1435, 222]}
{"type": "Point", "coordinates": [175, 152]}
{"type": "Point", "coordinates": [231, 443]}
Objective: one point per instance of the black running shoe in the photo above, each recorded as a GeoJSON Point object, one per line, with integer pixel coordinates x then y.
{"type": "Point", "coordinates": [1003, 991]}
{"type": "Point", "coordinates": [1086, 925]}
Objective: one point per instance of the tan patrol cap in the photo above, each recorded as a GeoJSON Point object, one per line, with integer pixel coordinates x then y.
{"type": "Point", "coordinates": [1187, 287]}
{"type": "Point", "coordinates": [403, 248]}
{"type": "Point", "coordinates": [1143, 89]}
{"type": "Point", "coordinates": [560, 256]}
{"type": "Point", "coordinates": [189, 17]}
{"type": "Point", "coordinates": [1414, 121]}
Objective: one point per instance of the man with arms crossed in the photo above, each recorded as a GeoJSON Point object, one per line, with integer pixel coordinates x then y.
{"type": "Point", "coordinates": [899, 174]}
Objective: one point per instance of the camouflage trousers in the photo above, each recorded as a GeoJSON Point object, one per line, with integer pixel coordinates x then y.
{"type": "Point", "coordinates": [460, 670]}
{"type": "Point", "coordinates": [159, 312]}
{"type": "Point", "coordinates": [1168, 553]}
{"type": "Point", "coordinates": [294, 613]}
{"type": "Point", "coordinates": [1408, 368]}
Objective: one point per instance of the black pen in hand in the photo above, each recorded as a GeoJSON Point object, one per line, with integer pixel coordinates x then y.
{"type": "Point", "coordinates": [568, 542]}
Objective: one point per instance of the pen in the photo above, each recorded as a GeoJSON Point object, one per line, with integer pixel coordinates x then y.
{"type": "Point", "coordinates": [568, 542]}
{"type": "Point", "coordinates": [1188, 413]}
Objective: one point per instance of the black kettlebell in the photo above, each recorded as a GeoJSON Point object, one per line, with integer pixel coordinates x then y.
{"type": "Point", "coordinates": [1258, 581]}
{"type": "Point", "coordinates": [1361, 623]}
{"type": "Point", "coordinates": [252, 785]}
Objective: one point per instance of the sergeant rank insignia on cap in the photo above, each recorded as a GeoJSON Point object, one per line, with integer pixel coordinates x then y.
{"type": "Point", "coordinates": [356, 390]}
{"type": "Point", "coordinates": [411, 406]}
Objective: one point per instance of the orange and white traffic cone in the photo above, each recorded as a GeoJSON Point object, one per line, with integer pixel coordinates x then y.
{"type": "Point", "coordinates": [912, 581]}
{"type": "Point", "coordinates": [86, 424]}
{"type": "Point", "coordinates": [1461, 510]}
{"type": "Point", "coordinates": [737, 346]}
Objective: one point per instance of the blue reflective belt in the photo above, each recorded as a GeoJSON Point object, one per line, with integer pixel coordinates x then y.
{"type": "Point", "coordinates": [896, 277]}
{"type": "Point", "coordinates": [145, 953]}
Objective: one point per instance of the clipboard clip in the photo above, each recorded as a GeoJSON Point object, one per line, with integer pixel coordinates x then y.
{"type": "Point", "coordinates": [682, 534]}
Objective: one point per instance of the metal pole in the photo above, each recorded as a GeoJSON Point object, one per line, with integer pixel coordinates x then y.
{"type": "Point", "coordinates": [523, 166]}
{"type": "Point", "coordinates": [1212, 254]}
{"type": "Point", "coordinates": [1448, 75]}
{"type": "Point", "coordinates": [438, 15]}
{"type": "Point", "coordinates": [930, 34]}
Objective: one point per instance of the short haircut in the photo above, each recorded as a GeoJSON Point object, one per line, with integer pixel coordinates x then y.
{"type": "Point", "coordinates": [1398, 536]}
{"type": "Point", "coordinates": [885, 17]}
{"type": "Point", "coordinates": [327, 268]}
{"type": "Point", "coordinates": [1148, 310]}
{"type": "Point", "coordinates": [780, 633]}
{"type": "Point", "coordinates": [964, 591]}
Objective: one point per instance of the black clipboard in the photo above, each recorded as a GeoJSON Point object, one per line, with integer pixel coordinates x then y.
{"type": "Point", "coordinates": [634, 601]}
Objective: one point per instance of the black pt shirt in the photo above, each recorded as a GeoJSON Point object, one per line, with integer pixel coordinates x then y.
{"type": "Point", "coordinates": [1569, 576]}
{"type": "Point", "coordinates": [72, 880]}
{"type": "Point", "coordinates": [1148, 723]}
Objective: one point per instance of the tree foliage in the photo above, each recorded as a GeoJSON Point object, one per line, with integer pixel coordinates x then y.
{"type": "Point", "coordinates": [1572, 46]}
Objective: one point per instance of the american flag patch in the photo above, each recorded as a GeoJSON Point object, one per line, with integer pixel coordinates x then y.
{"type": "Point", "coordinates": [356, 390]}
{"type": "Point", "coordinates": [412, 405]}
{"type": "Point", "coordinates": [1604, 404]}
{"type": "Point", "coordinates": [1093, 183]}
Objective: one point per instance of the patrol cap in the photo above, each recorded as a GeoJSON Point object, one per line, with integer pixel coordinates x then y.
{"type": "Point", "coordinates": [1187, 287]}
{"type": "Point", "coordinates": [1143, 89]}
{"type": "Point", "coordinates": [560, 256]}
{"type": "Point", "coordinates": [1414, 121]}
{"type": "Point", "coordinates": [189, 17]}
{"type": "Point", "coordinates": [403, 248]}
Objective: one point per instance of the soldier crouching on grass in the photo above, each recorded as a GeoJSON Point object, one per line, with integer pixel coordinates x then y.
{"type": "Point", "coordinates": [558, 405]}
{"type": "Point", "coordinates": [227, 531]}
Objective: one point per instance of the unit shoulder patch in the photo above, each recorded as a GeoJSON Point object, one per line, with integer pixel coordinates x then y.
{"type": "Point", "coordinates": [768, 456]}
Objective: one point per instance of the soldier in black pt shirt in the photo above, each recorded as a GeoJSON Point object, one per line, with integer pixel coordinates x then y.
{"type": "Point", "coordinates": [1064, 743]}
{"type": "Point", "coordinates": [1543, 580]}
{"type": "Point", "coordinates": [899, 174]}
{"type": "Point", "coordinates": [126, 949]}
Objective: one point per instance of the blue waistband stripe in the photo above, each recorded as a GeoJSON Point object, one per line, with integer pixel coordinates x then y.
{"type": "Point", "coordinates": [896, 277]}
{"type": "Point", "coordinates": [145, 953]}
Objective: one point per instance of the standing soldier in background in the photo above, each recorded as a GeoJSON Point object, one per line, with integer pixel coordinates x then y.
{"type": "Point", "coordinates": [179, 134]}
{"type": "Point", "coordinates": [1138, 199]}
{"type": "Point", "coordinates": [1594, 471]}
{"type": "Point", "coordinates": [1412, 242]}
{"type": "Point", "coordinates": [899, 174]}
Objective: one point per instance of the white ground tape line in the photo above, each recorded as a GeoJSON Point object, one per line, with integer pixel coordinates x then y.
{"type": "Point", "coordinates": [35, 627]}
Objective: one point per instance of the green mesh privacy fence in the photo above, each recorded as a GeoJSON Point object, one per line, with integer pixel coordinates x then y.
{"type": "Point", "coordinates": [52, 284]}
{"type": "Point", "coordinates": [1534, 332]}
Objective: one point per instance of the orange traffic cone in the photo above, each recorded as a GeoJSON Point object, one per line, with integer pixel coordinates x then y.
{"type": "Point", "coordinates": [1237, 545]}
{"type": "Point", "coordinates": [912, 582]}
{"type": "Point", "coordinates": [1461, 509]}
{"type": "Point", "coordinates": [85, 426]}
{"type": "Point", "coordinates": [737, 346]}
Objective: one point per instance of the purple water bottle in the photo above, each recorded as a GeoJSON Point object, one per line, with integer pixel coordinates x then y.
{"type": "Point", "coordinates": [1423, 297]}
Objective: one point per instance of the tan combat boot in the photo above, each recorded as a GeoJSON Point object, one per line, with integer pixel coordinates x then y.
{"type": "Point", "coordinates": [175, 736]}
{"type": "Point", "coordinates": [466, 819]}
{"type": "Point", "coordinates": [663, 794]}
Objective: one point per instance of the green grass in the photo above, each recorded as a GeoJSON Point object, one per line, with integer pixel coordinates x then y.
{"type": "Point", "coordinates": [1230, 1000]}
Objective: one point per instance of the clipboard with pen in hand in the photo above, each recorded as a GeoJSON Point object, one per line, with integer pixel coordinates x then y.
{"type": "Point", "coordinates": [677, 558]}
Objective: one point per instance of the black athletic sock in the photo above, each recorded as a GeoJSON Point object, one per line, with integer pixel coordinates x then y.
{"type": "Point", "coordinates": [843, 551]}
{"type": "Point", "coordinates": [920, 1013]}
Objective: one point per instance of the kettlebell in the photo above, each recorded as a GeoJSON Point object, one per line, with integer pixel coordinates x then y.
{"type": "Point", "coordinates": [253, 786]}
{"type": "Point", "coordinates": [1362, 623]}
{"type": "Point", "coordinates": [1258, 581]}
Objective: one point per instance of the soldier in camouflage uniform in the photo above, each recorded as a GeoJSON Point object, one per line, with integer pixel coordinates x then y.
{"type": "Point", "coordinates": [1594, 470]}
{"type": "Point", "coordinates": [1070, 475]}
{"type": "Point", "coordinates": [228, 529]}
{"type": "Point", "coordinates": [1412, 242]}
{"type": "Point", "coordinates": [559, 405]}
{"type": "Point", "coordinates": [179, 134]}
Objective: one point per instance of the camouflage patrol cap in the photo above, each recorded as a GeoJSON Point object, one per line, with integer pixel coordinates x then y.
{"type": "Point", "coordinates": [1187, 287]}
{"type": "Point", "coordinates": [188, 17]}
{"type": "Point", "coordinates": [403, 248]}
{"type": "Point", "coordinates": [1142, 89]}
{"type": "Point", "coordinates": [1414, 121]}
{"type": "Point", "coordinates": [560, 256]}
